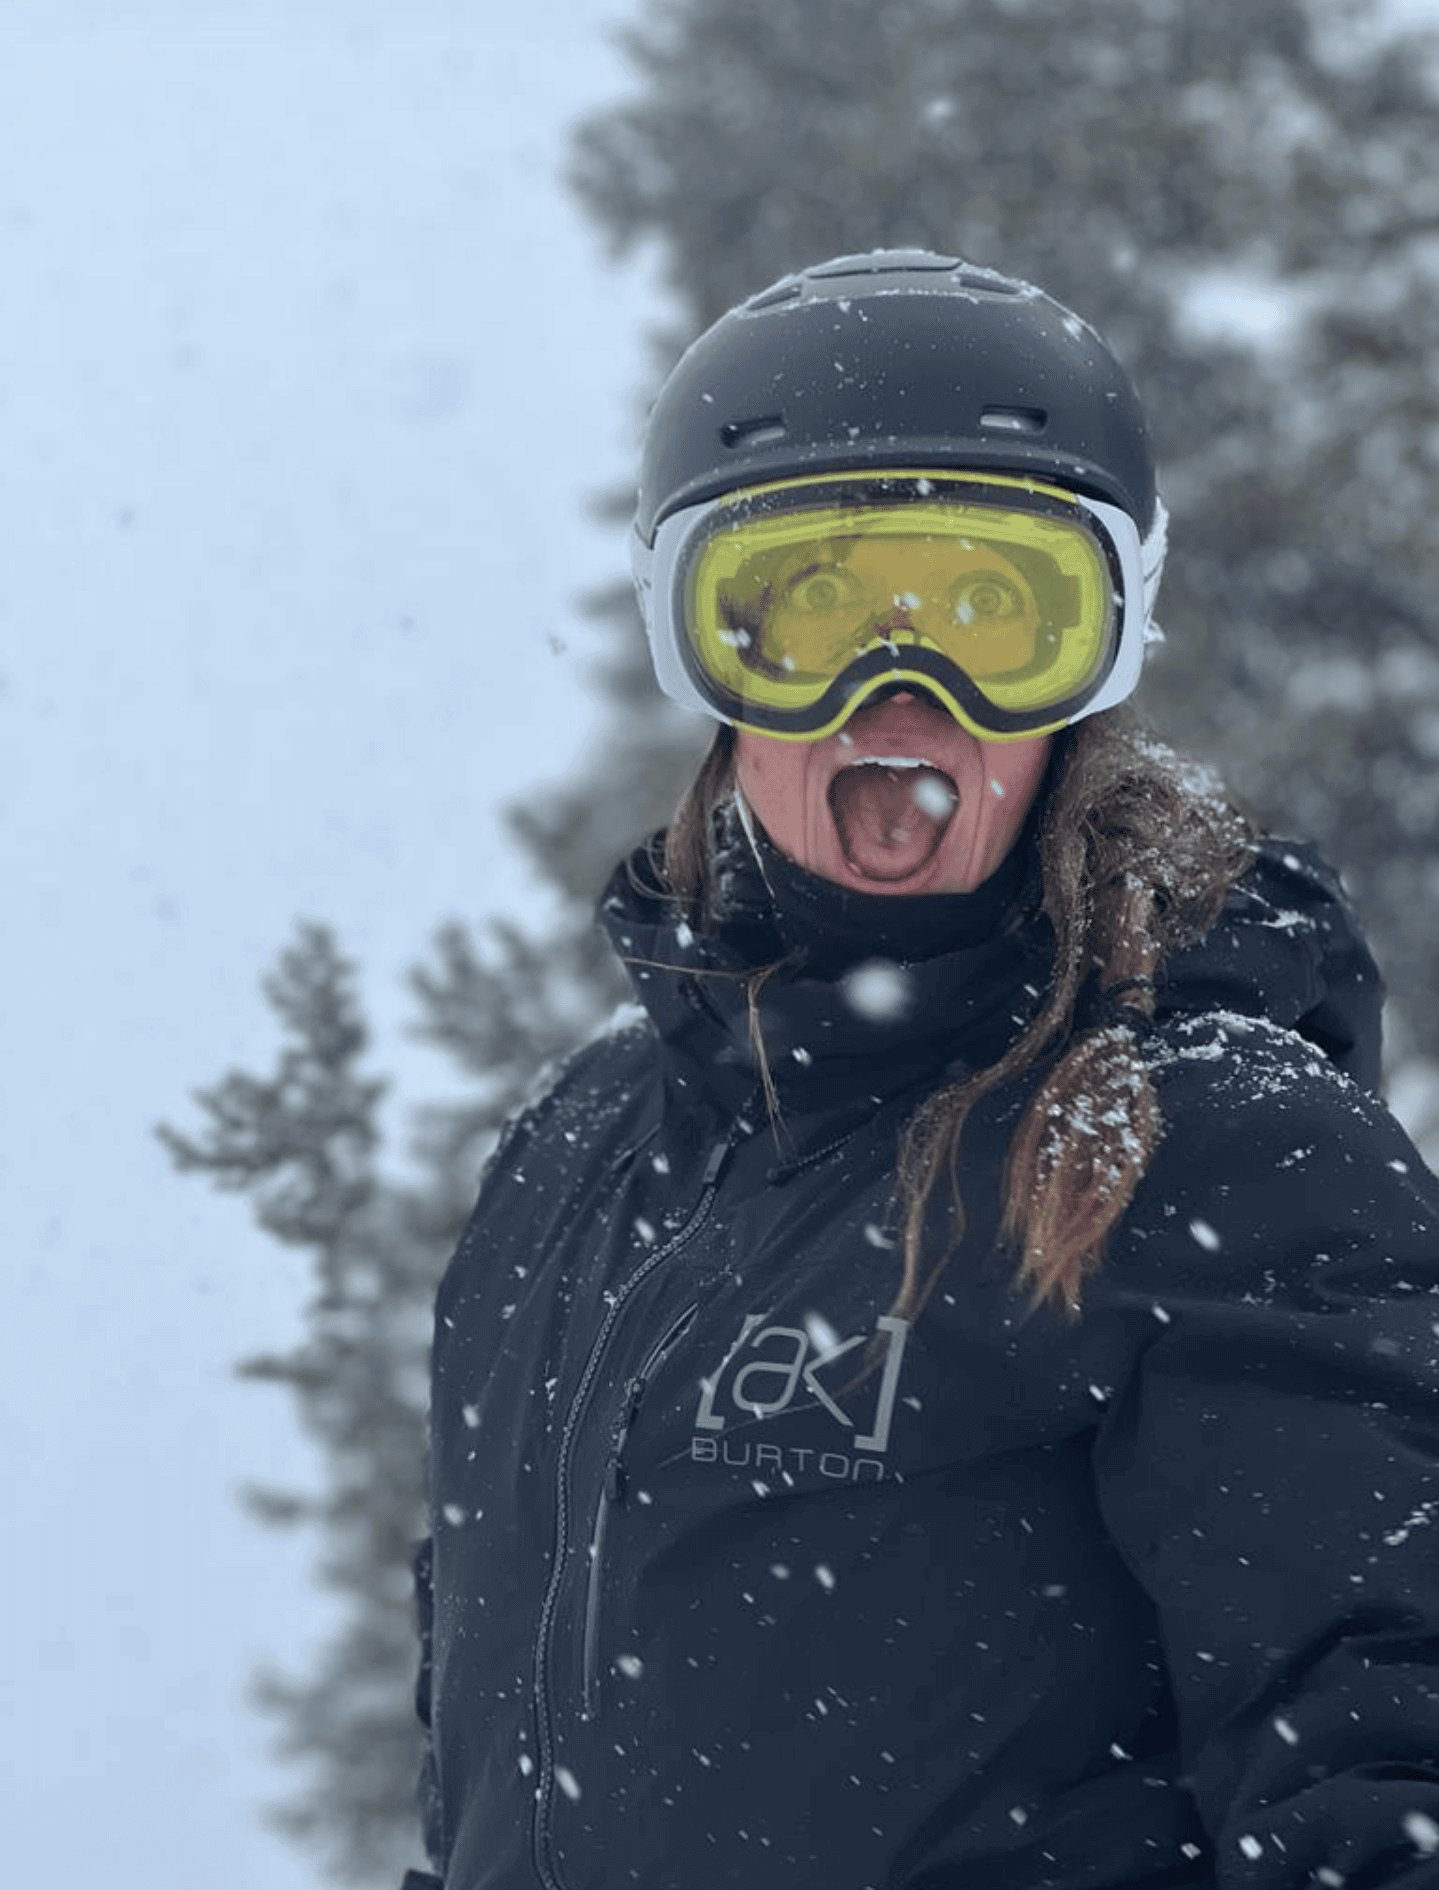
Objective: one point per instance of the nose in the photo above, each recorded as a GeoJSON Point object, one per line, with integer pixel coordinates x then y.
{"type": "Point", "coordinates": [897, 621]}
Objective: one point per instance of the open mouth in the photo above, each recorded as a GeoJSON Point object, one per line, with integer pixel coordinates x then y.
{"type": "Point", "coordinates": [891, 812]}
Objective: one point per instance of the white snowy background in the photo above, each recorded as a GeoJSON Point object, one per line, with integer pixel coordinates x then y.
{"type": "Point", "coordinates": [308, 370]}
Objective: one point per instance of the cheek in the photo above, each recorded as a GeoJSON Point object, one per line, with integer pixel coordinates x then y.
{"type": "Point", "coordinates": [1012, 773]}
{"type": "Point", "coordinates": [771, 776]}
{"type": "Point", "coordinates": [1015, 769]}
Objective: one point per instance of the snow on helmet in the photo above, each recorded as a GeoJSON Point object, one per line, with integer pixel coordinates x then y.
{"type": "Point", "coordinates": [891, 367]}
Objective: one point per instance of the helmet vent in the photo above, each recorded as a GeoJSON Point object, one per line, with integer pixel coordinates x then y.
{"type": "Point", "coordinates": [1013, 419]}
{"type": "Point", "coordinates": [786, 292]}
{"type": "Point", "coordinates": [757, 432]}
{"type": "Point", "coordinates": [987, 283]}
{"type": "Point", "coordinates": [885, 262]}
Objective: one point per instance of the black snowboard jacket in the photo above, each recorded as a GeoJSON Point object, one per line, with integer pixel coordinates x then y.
{"type": "Point", "coordinates": [739, 1580]}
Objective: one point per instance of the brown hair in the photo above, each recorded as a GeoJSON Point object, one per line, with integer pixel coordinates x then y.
{"type": "Point", "coordinates": [1138, 851]}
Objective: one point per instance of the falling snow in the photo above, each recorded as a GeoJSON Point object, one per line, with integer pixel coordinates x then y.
{"type": "Point", "coordinates": [822, 1334]}
{"type": "Point", "coordinates": [878, 991]}
{"type": "Point", "coordinates": [1422, 1832]}
{"type": "Point", "coordinates": [933, 797]}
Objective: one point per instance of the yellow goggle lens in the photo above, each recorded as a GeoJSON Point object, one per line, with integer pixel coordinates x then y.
{"type": "Point", "coordinates": [780, 603]}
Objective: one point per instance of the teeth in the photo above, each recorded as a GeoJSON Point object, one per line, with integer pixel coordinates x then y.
{"type": "Point", "coordinates": [893, 761]}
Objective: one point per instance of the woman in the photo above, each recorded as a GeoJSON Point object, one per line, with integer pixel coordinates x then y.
{"type": "Point", "coordinates": [943, 1393]}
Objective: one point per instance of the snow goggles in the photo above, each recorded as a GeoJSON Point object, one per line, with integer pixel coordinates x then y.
{"type": "Point", "coordinates": [782, 608]}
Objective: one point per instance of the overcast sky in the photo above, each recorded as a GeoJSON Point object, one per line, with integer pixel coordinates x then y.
{"type": "Point", "coordinates": [307, 370]}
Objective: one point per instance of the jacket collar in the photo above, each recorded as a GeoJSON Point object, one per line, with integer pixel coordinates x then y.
{"type": "Point", "coordinates": [861, 999]}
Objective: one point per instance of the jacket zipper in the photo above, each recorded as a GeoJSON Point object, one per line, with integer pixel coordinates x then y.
{"type": "Point", "coordinates": [612, 1492]}
{"type": "Point", "coordinates": [545, 1791]}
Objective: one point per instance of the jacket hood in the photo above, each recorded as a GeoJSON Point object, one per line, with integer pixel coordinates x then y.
{"type": "Point", "coordinates": [1287, 947]}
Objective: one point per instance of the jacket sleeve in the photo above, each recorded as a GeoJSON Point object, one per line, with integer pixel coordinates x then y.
{"type": "Point", "coordinates": [428, 1793]}
{"type": "Point", "coordinates": [1270, 1469]}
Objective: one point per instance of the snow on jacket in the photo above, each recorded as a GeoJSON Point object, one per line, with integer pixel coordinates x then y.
{"type": "Point", "coordinates": [740, 1580]}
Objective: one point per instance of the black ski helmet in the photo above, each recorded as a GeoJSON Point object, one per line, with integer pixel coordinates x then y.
{"type": "Point", "coordinates": [896, 358]}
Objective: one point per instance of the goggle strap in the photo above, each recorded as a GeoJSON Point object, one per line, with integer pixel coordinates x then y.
{"type": "Point", "coordinates": [1153, 549]}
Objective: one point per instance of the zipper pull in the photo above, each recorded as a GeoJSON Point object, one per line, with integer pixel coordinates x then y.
{"type": "Point", "coordinates": [629, 1410]}
{"type": "Point", "coordinates": [615, 1479]}
{"type": "Point", "coordinates": [719, 1155]}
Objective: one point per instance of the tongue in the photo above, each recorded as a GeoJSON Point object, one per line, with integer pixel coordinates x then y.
{"type": "Point", "coordinates": [891, 820]}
